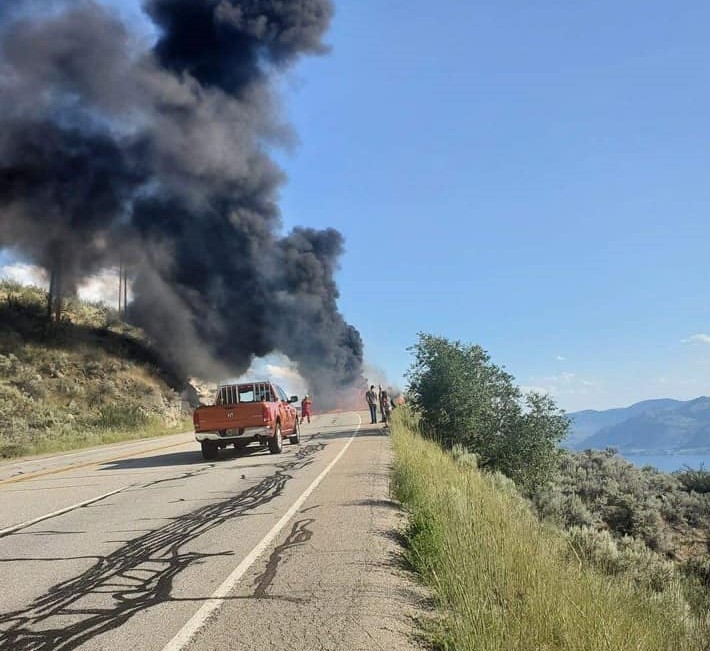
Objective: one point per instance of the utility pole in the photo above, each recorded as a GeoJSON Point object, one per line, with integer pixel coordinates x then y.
{"type": "Point", "coordinates": [58, 297]}
{"type": "Point", "coordinates": [50, 293]}
{"type": "Point", "coordinates": [54, 296]}
{"type": "Point", "coordinates": [122, 290]}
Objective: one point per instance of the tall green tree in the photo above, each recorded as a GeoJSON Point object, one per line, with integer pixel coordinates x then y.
{"type": "Point", "coordinates": [465, 399]}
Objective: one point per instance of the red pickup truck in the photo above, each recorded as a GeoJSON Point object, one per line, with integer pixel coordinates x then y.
{"type": "Point", "coordinates": [244, 413]}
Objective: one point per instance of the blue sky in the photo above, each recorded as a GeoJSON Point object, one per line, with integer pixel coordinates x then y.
{"type": "Point", "coordinates": [532, 177]}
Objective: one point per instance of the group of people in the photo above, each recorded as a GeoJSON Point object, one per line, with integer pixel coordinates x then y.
{"type": "Point", "coordinates": [382, 399]}
{"type": "Point", "coordinates": [375, 399]}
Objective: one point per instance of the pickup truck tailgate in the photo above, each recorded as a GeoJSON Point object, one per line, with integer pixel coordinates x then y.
{"type": "Point", "coordinates": [217, 417]}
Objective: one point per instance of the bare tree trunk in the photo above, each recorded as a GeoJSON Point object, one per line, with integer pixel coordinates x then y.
{"type": "Point", "coordinates": [58, 295]}
{"type": "Point", "coordinates": [125, 294]}
{"type": "Point", "coordinates": [50, 294]}
{"type": "Point", "coordinates": [120, 289]}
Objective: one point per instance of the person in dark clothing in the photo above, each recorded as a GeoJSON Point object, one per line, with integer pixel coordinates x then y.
{"type": "Point", "coordinates": [371, 398]}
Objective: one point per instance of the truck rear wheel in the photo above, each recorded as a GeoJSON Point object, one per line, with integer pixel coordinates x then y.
{"type": "Point", "coordinates": [209, 450]}
{"type": "Point", "coordinates": [295, 437]}
{"type": "Point", "coordinates": [276, 444]}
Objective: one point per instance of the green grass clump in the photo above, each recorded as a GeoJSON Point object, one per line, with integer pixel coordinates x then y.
{"type": "Point", "coordinates": [506, 581]}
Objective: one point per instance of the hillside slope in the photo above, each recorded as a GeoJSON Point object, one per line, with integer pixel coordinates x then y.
{"type": "Point", "coordinates": [87, 380]}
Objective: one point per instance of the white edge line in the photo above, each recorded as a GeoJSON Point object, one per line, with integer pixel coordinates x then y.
{"type": "Point", "coordinates": [193, 625]}
{"type": "Point", "coordinates": [29, 523]}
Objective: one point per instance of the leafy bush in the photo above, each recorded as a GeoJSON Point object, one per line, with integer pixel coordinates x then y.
{"type": "Point", "coordinates": [598, 488]}
{"type": "Point", "coordinates": [695, 480]}
{"type": "Point", "coordinates": [624, 556]}
{"type": "Point", "coordinates": [29, 382]}
{"type": "Point", "coordinates": [464, 399]}
{"type": "Point", "coordinates": [121, 417]}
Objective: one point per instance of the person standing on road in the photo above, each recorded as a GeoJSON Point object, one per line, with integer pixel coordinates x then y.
{"type": "Point", "coordinates": [371, 398]}
{"type": "Point", "coordinates": [306, 404]}
{"type": "Point", "coordinates": [385, 407]}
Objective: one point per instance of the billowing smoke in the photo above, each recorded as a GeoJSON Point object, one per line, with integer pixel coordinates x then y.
{"type": "Point", "coordinates": [156, 155]}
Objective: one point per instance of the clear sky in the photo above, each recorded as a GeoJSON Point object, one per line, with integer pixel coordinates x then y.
{"type": "Point", "coordinates": [532, 177]}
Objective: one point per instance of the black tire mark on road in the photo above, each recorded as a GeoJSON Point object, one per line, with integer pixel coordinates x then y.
{"type": "Point", "coordinates": [137, 576]}
{"type": "Point", "coordinates": [310, 508]}
{"type": "Point", "coordinates": [300, 534]}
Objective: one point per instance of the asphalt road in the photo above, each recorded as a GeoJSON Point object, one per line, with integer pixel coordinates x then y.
{"type": "Point", "coordinates": [146, 546]}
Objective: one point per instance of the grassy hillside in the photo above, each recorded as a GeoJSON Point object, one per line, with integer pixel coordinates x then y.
{"type": "Point", "coordinates": [506, 581]}
{"type": "Point", "coordinates": [87, 380]}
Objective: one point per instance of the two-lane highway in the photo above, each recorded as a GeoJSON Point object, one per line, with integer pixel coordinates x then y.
{"type": "Point", "coordinates": [144, 545]}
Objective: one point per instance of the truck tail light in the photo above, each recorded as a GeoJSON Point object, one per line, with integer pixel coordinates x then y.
{"type": "Point", "coordinates": [196, 418]}
{"type": "Point", "coordinates": [265, 413]}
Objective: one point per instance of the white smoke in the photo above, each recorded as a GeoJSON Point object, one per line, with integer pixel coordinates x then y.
{"type": "Point", "coordinates": [98, 288]}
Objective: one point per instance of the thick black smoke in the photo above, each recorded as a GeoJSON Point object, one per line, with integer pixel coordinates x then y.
{"type": "Point", "coordinates": [156, 155]}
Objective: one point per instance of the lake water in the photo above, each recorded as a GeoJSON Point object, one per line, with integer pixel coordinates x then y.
{"type": "Point", "coordinates": [670, 462]}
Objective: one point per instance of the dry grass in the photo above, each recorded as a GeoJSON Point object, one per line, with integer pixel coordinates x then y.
{"type": "Point", "coordinates": [91, 380]}
{"type": "Point", "coordinates": [507, 582]}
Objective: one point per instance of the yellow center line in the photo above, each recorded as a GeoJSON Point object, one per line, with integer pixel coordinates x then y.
{"type": "Point", "coordinates": [86, 464]}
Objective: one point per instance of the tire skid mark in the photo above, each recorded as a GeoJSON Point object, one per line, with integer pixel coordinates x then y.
{"type": "Point", "coordinates": [300, 535]}
{"type": "Point", "coordinates": [136, 576]}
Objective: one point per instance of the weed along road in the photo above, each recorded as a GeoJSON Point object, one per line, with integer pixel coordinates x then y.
{"type": "Point", "coordinates": [145, 545]}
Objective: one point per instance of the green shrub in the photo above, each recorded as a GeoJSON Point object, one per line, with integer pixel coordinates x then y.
{"type": "Point", "coordinates": [624, 556]}
{"type": "Point", "coordinates": [121, 417]}
{"type": "Point", "coordinates": [695, 480]}
{"type": "Point", "coordinates": [598, 488]}
{"type": "Point", "coordinates": [463, 456]}
{"type": "Point", "coordinates": [30, 383]}
{"type": "Point", "coordinates": [464, 399]}
{"type": "Point", "coordinates": [697, 586]}
{"type": "Point", "coordinates": [6, 364]}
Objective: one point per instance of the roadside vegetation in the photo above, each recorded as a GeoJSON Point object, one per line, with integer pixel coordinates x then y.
{"type": "Point", "coordinates": [529, 547]}
{"type": "Point", "coordinates": [650, 525]}
{"type": "Point", "coordinates": [88, 380]}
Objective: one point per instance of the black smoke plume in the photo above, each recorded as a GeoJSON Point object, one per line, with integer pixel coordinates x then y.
{"type": "Point", "coordinates": [156, 155]}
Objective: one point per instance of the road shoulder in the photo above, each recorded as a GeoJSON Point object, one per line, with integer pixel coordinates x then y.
{"type": "Point", "coordinates": [334, 579]}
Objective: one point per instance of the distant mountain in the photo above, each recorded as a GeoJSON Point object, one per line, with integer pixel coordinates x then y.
{"type": "Point", "coordinates": [589, 422]}
{"type": "Point", "coordinates": [650, 426]}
